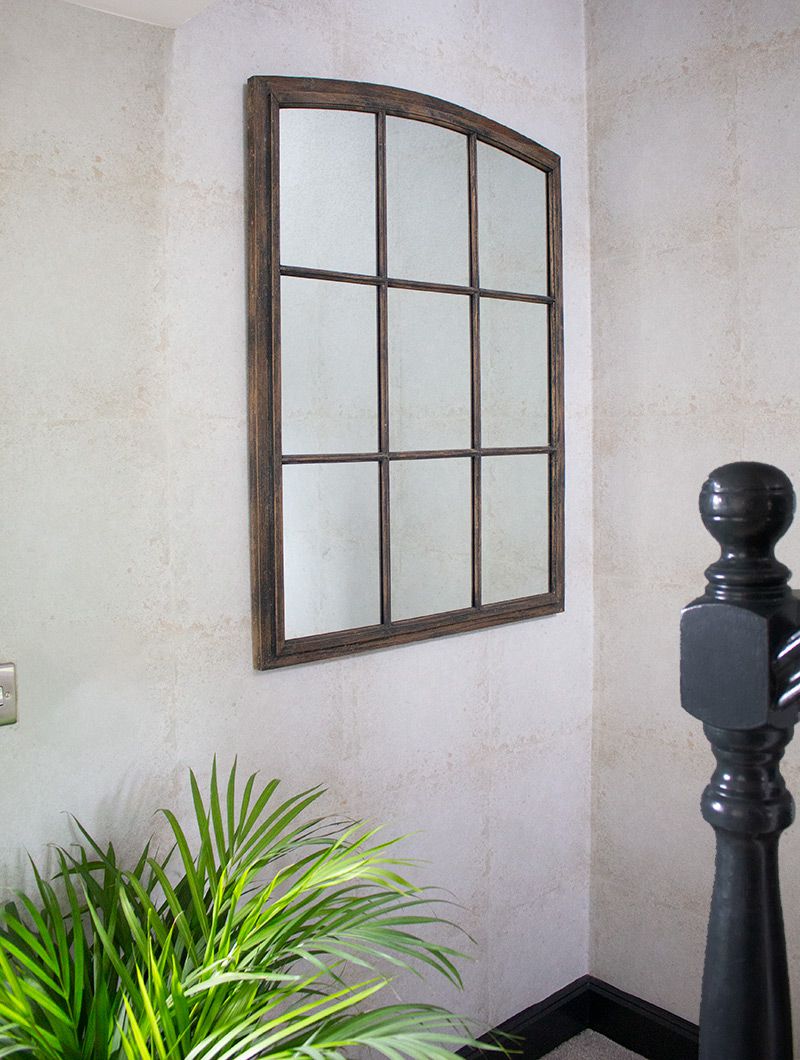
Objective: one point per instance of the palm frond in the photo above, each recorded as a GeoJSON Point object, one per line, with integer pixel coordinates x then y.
{"type": "Point", "coordinates": [240, 945]}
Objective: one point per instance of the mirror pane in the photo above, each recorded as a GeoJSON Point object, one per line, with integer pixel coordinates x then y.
{"type": "Point", "coordinates": [515, 527]}
{"type": "Point", "coordinates": [512, 223]}
{"type": "Point", "coordinates": [329, 373]}
{"type": "Point", "coordinates": [431, 536]}
{"type": "Point", "coordinates": [427, 202]}
{"type": "Point", "coordinates": [327, 190]}
{"type": "Point", "coordinates": [331, 551]}
{"type": "Point", "coordinates": [429, 370]}
{"type": "Point", "coordinates": [514, 373]}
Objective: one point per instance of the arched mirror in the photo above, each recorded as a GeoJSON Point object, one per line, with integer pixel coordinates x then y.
{"type": "Point", "coordinates": [406, 439]}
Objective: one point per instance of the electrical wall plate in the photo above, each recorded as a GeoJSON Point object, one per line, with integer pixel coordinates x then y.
{"type": "Point", "coordinates": [8, 694]}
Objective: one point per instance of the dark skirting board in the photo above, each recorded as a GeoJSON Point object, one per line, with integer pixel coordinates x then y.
{"type": "Point", "coordinates": [590, 1004]}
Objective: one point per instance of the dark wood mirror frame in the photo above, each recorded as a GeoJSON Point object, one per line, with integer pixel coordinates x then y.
{"type": "Point", "coordinates": [266, 96]}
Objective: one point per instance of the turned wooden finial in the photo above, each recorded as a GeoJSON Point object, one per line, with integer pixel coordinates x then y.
{"type": "Point", "coordinates": [747, 508]}
{"type": "Point", "coordinates": [731, 635]}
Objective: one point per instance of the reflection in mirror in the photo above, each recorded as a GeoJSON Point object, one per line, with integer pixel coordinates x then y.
{"type": "Point", "coordinates": [329, 375]}
{"type": "Point", "coordinates": [429, 371]}
{"type": "Point", "coordinates": [431, 536]}
{"type": "Point", "coordinates": [515, 527]}
{"type": "Point", "coordinates": [514, 373]}
{"type": "Point", "coordinates": [427, 202]}
{"type": "Point", "coordinates": [327, 163]}
{"type": "Point", "coordinates": [512, 223]}
{"type": "Point", "coordinates": [331, 548]}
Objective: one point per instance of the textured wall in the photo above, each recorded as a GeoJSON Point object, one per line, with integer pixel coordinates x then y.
{"type": "Point", "coordinates": [86, 595]}
{"type": "Point", "coordinates": [126, 602]}
{"type": "Point", "coordinates": [694, 151]}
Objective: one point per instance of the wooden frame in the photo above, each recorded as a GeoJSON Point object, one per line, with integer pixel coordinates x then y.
{"type": "Point", "coordinates": [265, 98]}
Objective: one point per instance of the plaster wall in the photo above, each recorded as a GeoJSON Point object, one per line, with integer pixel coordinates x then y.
{"type": "Point", "coordinates": [126, 595]}
{"type": "Point", "coordinates": [694, 151]}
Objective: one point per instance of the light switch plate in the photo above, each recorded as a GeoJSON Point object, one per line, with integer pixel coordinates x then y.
{"type": "Point", "coordinates": [8, 693]}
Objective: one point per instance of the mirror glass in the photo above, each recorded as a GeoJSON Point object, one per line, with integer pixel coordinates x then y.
{"type": "Point", "coordinates": [329, 366]}
{"type": "Point", "coordinates": [427, 202]}
{"type": "Point", "coordinates": [515, 374]}
{"type": "Point", "coordinates": [331, 549]}
{"type": "Point", "coordinates": [515, 527]}
{"type": "Point", "coordinates": [327, 191]}
{"type": "Point", "coordinates": [512, 223]}
{"type": "Point", "coordinates": [431, 536]}
{"type": "Point", "coordinates": [429, 370]}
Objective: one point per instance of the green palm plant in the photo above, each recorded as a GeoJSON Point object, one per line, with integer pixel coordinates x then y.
{"type": "Point", "coordinates": [268, 936]}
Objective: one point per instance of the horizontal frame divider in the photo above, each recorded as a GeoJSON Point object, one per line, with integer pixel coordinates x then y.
{"type": "Point", "coordinates": [411, 285]}
{"type": "Point", "coordinates": [407, 630]}
{"type": "Point", "coordinates": [414, 454]}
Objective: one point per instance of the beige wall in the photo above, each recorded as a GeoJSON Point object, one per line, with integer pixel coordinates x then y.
{"type": "Point", "coordinates": [694, 154]}
{"type": "Point", "coordinates": [126, 597]}
{"type": "Point", "coordinates": [85, 539]}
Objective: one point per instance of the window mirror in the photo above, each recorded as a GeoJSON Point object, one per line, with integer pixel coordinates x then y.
{"type": "Point", "coordinates": [406, 413]}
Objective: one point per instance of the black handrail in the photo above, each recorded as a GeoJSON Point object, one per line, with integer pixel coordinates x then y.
{"type": "Point", "coordinates": [740, 675]}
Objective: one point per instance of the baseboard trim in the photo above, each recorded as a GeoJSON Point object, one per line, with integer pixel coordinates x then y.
{"type": "Point", "coordinates": [638, 1025]}
{"type": "Point", "coordinates": [591, 1004]}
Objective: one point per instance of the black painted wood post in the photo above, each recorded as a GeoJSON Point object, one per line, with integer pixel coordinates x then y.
{"type": "Point", "coordinates": [740, 676]}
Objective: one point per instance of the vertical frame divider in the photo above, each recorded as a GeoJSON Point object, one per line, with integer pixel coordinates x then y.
{"type": "Point", "coordinates": [475, 365]}
{"type": "Point", "coordinates": [260, 380]}
{"type": "Point", "coordinates": [556, 381]}
{"type": "Point", "coordinates": [275, 425]}
{"type": "Point", "coordinates": [383, 369]}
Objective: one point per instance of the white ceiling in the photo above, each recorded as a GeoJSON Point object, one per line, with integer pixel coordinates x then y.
{"type": "Point", "coordinates": [158, 12]}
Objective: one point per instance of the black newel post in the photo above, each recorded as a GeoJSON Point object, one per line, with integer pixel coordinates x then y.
{"type": "Point", "coordinates": [739, 675]}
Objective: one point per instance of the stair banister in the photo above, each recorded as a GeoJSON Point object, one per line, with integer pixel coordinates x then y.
{"type": "Point", "coordinates": [740, 676]}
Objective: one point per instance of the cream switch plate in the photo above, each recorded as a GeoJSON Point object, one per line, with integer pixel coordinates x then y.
{"type": "Point", "coordinates": [8, 693]}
